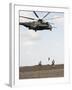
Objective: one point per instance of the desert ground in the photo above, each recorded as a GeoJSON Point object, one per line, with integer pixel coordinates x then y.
{"type": "Point", "coordinates": [43, 71]}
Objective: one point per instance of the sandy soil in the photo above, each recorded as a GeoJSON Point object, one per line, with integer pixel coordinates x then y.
{"type": "Point", "coordinates": [43, 71]}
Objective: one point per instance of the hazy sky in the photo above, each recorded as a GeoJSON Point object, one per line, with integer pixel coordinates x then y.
{"type": "Point", "coordinates": [38, 46]}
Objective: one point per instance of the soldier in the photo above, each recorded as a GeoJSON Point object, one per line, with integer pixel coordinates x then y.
{"type": "Point", "coordinates": [48, 60]}
{"type": "Point", "coordinates": [40, 63]}
{"type": "Point", "coordinates": [53, 62]}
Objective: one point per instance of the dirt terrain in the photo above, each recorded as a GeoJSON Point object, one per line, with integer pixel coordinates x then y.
{"type": "Point", "coordinates": [42, 71]}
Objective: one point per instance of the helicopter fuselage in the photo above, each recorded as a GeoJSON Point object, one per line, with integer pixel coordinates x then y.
{"type": "Point", "coordinates": [37, 25]}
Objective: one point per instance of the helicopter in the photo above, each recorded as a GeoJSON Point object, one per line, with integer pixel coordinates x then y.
{"type": "Point", "coordinates": [38, 24]}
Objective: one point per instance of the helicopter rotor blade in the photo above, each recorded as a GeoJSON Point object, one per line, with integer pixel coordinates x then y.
{"type": "Point", "coordinates": [46, 15]}
{"type": "Point", "coordinates": [35, 14]}
{"type": "Point", "coordinates": [55, 18]}
{"type": "Point", "coordinates": [51, 23]}
{"type": "Point", "coordinates": [28, 18]}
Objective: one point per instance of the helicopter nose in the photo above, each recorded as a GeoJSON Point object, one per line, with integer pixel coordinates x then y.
{"type": "Point", "coordinates": [24, 24]}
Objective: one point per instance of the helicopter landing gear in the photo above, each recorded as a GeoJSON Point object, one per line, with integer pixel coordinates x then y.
{"type": "Point", "coordinates": [29, 27]}
{"type": "Point", "coordinates": [50, 29]}
{"type": "Point", "coordinates": [35, 30]}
